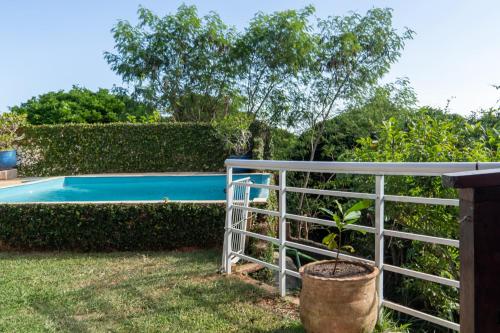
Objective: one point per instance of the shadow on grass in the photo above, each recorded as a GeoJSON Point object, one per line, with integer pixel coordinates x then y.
{"type": "Point", "coordinates": [181, 299]}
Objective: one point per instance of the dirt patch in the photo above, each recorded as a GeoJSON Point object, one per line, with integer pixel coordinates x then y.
{"type": "Point", "coordinates": [280, 306]}
{"type": "Point", "coordinates": [343, 270]}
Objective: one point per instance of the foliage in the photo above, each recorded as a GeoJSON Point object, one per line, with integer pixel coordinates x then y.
{"type": "Point", "coordinates": [175, 292]}
{"type": "Point", "coordinates": [351, 54]}
{"type": "Point", "coordinates": [258, 149]}
{"type": "Point", "coordinates": [181, 63]}
{"type": "Point", "coordinates": [282, 69]}
{"type": "Point", "coordinates": [427, 135]}
{"type": "Point", "coordinates": [283, 144]}
{"type": "Point", "coordinates": [362, 118]}
{"type": "Point", "coordinates": [260, 129]}
{"type": "Point", "coordinates": [234, 131]}
{"type": "Point", "coordinates": [98, 227]}
{"type": "Point", "coordinates": [269, 55]}
{"type": "Point", "coordinates": [81, 105]}
{"type": "Point", "coordinates": [387, 324]}
{"type": "Point", "coordinates": [342, 220]}
{"type": "Point", "coordinates": [50, 150]}
{"type": "Point", "coordinates": [9, 130]}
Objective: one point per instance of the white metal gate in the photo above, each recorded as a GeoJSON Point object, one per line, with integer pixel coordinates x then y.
{"type": "Point", "coordinates": [239, 219]}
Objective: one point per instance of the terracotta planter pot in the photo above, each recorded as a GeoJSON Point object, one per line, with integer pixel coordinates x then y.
{"type": "Point", "coordinates": [339, 305]}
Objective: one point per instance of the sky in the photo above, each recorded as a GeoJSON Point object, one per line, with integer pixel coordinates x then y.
{"type": "Point", "coordinates": [55, 44]}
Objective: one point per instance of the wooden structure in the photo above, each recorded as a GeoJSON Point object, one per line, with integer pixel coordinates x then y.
{"type": "Point", "coordinates": [479, 193]}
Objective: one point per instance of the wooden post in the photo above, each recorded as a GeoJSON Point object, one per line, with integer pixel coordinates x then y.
{"type": "Point", "coordinates": [479, 193]}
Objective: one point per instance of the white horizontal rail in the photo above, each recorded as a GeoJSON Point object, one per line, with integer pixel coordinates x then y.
{"type": "Point", "coordinates": [338, 194]}
{"type": "Point", "coordinates": [324, 252]}
{"type": "Point", "coordinates": [328, 223]}
{"type": "Point", "coordinates": [256, 185]}
{"type": "Point", "coordinates": [367, 168]}
{"type": "Point", "coordinates": [257, 210]}
{"type": "Point", "coordinates": [421, 200]}
{"type": "Point", "coordinates": [422, 276]}
{"type": "Point", "coordinates": [255, 235]}
{"type": "Point", "coordinates": [422, 238]}
{"type": "Point", "coordinates": [255, 260]}
{"type": "Point", "coordinates": [421, 315]}
{"type": "Point", "coordinates": [293, 273]}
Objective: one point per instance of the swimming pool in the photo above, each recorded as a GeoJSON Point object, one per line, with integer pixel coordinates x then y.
{"type": "Point", "coordinates": [128, 189]}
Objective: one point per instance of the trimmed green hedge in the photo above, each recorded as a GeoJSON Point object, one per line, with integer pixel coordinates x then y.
{"type": "Point", "coordinates": [53, 150]}
{"type": "Point", "coordinates": [103, 227]}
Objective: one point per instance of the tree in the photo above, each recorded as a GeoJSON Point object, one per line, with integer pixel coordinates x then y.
{"type": "Point", "coordinates": [361, 118]}
{"type": "Point", "coordinates": [269, 55]}
{"type": "Point", "coordinates": [81, 105]}
{"type": "Point", "coordinates": [351, 54]}
{"type": "Point", "coordinates": [181, 63]}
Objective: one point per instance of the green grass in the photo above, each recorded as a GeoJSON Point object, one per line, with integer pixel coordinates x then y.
{"type": "Point", "coordinates": [131, 292]}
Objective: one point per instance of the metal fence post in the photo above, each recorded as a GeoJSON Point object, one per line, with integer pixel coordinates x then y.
{"type": "Point", "coordinates": [379, 236]}
{"type": "Point", "coordinates": [282, 232]}
{"type": "Point", "coordinates": [229, 216]}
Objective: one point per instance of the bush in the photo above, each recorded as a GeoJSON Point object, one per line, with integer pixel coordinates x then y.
{"type": "Point", "coordinates": [9, 128]}
{"type": "Point", "coordinates": [51, 150]}
{"type": "Point", "coordinates": [81, 105]}
{"type": "Point", "coordinates": [258, 149]}
{"type": "Point", "coordinates": [98, 227]}
{"type": "Point", "coordinates": [283, 144]}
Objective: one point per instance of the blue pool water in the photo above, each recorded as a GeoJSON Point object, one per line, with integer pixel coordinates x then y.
{"type": "Point", "coordinates": [128, 188]}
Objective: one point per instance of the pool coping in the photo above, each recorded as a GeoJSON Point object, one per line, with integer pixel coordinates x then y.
{"type": "Point", "coordinates": [129, 202]}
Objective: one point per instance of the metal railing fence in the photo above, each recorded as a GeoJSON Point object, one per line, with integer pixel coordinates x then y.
{"type": "Point", "coordinates": [379, 170]}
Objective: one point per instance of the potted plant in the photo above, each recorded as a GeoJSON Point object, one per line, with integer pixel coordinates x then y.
{"type": "Point", "coordinates": [339, 296]}
{"type": "Point", "coordinates": [9, 136]}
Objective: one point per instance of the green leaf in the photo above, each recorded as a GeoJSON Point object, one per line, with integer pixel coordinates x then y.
{"type": "Point", "coordinates": [359, 206]}
{"type": "Point", "coordinates": [339, 206]}
{"type": "Point", "coordinates": [327, 211]}
{"type": "Point", "coordinates": [328, 238]}
{"type": "Point", "coordinates": [330, 241]}
{"type": "Point", "coordinates": [348, 248]}
{"type": "Point", "coordinates": [352, 217]}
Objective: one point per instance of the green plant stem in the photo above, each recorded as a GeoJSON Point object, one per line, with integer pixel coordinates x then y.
{"type": "Point", "coordinates": [338, 253]}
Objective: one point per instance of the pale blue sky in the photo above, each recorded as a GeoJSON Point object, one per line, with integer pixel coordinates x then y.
{"type": "Point", "coordinates": [51, 45]}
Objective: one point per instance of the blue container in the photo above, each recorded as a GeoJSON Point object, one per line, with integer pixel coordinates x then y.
{"type": "Point", "coordinates": [8, 159]}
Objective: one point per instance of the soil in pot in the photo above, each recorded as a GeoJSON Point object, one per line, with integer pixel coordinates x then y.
{"type": "Point", "coordinates": [343, 270]}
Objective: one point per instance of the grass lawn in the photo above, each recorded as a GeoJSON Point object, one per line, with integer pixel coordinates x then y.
{"type": "Point", "coordinates": [132, 292]}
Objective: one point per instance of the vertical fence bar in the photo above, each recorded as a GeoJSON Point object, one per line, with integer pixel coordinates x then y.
{"type": "Point", "coordinates": [379, 236]}
{"type": "Point", "coordinates": [282, 232]}
{"type": "Point", "coordinates": [244, 218]}
{"type": "Point", "coordinates": [229, 216]}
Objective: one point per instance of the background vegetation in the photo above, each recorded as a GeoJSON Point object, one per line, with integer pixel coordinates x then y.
{"type": "Point", "coordinates": [80, 105]}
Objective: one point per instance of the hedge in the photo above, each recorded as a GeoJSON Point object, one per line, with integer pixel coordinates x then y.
{"type": "Point", "coordinates": [53, 150]}
{"type": "Point", "coordinates": [105, 227]}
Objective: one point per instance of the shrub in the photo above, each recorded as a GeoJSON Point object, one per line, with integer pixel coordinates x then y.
{"type": "Point", "coordinates": [258, 149]}
{"type": "Point", "coordinates": [234, 131]}
{"type": "Point", "coordinates": [50, 150]}
{"type": "Point", "coordinates": [124, 227]}
{"type": "Point", "coordinates": [9, 130]}
{"type": "Point", "coordinates": [81, 105]}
